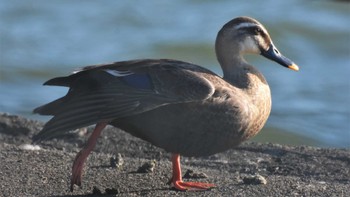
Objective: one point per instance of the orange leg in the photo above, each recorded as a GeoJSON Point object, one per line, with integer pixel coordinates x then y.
{"type": "Point", "coordinates": [80, 159]}
{"type": "Point", "coordinates": [177, 178]}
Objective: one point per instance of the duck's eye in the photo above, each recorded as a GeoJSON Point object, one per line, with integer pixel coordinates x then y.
{"type": "Point", "coordinates": [258, 30]}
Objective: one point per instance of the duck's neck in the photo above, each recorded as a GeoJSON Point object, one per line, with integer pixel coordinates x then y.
{"type": "Point", "coordinates": [230, 59]}
{"type": "Point", "coordinates": [235, 70]}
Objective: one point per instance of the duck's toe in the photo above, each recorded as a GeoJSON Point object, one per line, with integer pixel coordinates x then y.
{"type": "Point", "coordinates": [183, 186]}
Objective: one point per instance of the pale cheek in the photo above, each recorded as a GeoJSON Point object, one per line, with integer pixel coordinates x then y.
{"type": "Point", "coordinates": [249, 46]}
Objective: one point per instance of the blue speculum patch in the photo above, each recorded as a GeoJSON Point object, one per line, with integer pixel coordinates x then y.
{"type": "Point", "coordinates": [142, 81]}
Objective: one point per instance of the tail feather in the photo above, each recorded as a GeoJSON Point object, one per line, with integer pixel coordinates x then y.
{"type": "Point", "coordinates": [59, 81]}
{"type": "Point", "coordinates": [50, 108]}
{"type": "Point", "coordinates": [57, 127]}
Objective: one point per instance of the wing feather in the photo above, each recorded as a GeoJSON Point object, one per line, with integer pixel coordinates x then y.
{"type": "Point", "coordinates": [97, 94]}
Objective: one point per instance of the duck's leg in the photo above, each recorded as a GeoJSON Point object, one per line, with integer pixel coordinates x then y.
{"type": "Point", "coordinates": [80, 159]}
{"type": "Point", "coordinates": [177, 178]}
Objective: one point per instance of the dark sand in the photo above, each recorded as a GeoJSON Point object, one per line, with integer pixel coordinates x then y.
{"type": "Point", "coordinates": [288, 171]}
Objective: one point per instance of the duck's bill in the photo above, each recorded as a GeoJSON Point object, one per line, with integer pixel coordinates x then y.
{"type": "Point", "coordinates": [273, 54]}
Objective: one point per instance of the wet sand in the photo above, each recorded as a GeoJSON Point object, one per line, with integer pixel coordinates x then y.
{"type": "Point", "coordinates": [252, 169]}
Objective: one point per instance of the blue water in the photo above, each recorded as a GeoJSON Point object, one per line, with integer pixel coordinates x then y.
{"type": "Point", "coordinates": [44, 39]}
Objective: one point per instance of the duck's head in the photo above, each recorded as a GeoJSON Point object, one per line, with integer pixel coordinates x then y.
{"type": "Point", "coordinates": [246, 35]}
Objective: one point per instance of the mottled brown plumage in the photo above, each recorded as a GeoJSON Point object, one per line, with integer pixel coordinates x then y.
{"type": "Point", "coordinates": [178, 106]}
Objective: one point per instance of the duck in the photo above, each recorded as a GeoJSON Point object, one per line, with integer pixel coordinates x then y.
{"type": "Point", "coordinates": [181, 107]}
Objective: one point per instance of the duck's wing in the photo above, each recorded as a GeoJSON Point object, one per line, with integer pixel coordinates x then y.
{"type": "Point", "coordinates": [112, 91]}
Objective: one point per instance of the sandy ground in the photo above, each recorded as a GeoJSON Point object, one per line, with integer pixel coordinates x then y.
{"type": "Point", "coordinates": [113, 169]}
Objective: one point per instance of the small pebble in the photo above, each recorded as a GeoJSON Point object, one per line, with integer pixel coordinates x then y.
{"type": "Point", "coordinates": [82, 131]}
{"type": "Point", "coordinates": [254, 180]}
{"type": "Point", "coordinates": [29, 147]}
{"type": "Point", "coordinates": [194, 175]}
{"type": "Point", "coordinates": [147, 167]}
{"type": "Point", "coordinates": [117, 161]}
{"type": "Point", "coordinates": [44, 180]}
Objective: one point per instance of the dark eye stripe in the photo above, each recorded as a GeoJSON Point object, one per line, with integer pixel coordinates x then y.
{"type": "Point", "coordinates": [253, 30]}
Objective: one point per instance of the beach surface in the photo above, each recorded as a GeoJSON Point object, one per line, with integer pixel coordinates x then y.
{"type": "Point", "coordinates": [123, 165]}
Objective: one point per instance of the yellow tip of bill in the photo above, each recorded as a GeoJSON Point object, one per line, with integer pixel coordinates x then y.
{"type": "Point", "coordinates": [293, 67]}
